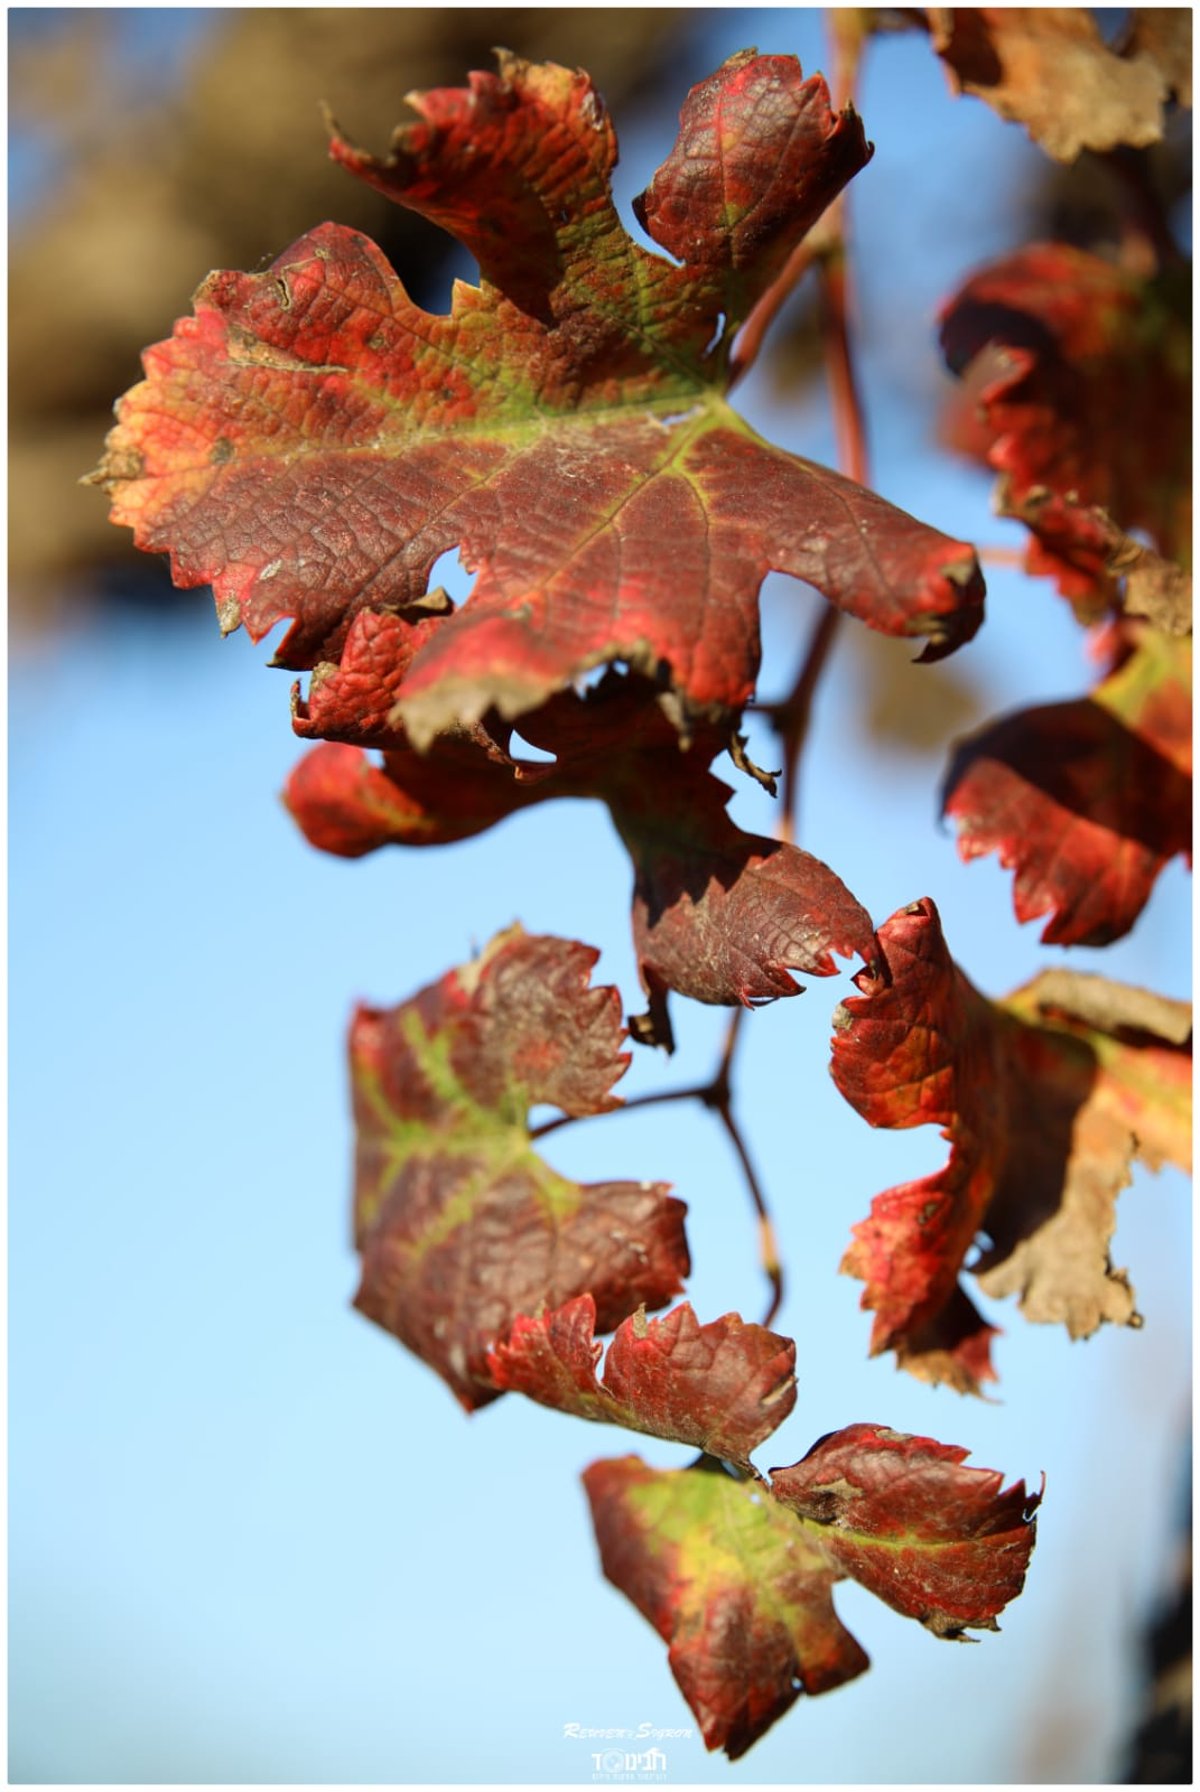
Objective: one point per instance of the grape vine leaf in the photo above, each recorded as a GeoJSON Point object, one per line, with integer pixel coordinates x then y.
{"type": "Point", "coordinates": [1049, 69]}
{"type": "Point", "coordinates": [1085, 801]}
{"type": "Point", "coordinates": [737, 1575]}
{"type": "Point", "coordinates": [719, 915]}
{"type": "Point", "coordinates": [1046, 1099]}
{"type": "Point", "coordinates": [461, 1225]}
{"type": "Point", "coordinates": [1081, 372]}
{"type": "Point", "coordinates": [310, 441]}
{"type": "Point", "coordinates": [722, 1387]}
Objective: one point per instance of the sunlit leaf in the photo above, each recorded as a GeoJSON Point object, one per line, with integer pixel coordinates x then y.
{"type": "Point", "coordinates": [461, 1225]}
{"type": "Point", "coordinates": [1045, 1099]}
{"type": "Point", "coordinates": [737, 1575]}
{"type": "Point", "coordinates": [722, 1387]}
{"type": "Point", "coordinates": [311, 441]}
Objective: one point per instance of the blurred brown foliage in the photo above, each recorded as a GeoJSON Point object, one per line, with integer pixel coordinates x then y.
{"type": "Point", "coordinates": [222, 169]}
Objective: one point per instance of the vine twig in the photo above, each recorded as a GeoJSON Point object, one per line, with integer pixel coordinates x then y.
{"type": "Point", "coordinates": [791, 717]}
{"type": "Point", "coordinates": [717, 1096]}
{"type": "Point", "coordinates": [845, 37]}
{"type": "Point", "coordinates": [752, 333]}
{"type": "Point", "coordinates": [768, 1249]}
{"type": "Point", "coordinates": [1147, 241]}
{"type": "Point", "coordinates": [694, 1092]}
{"type": "Point", "coordinates": [999, 556]}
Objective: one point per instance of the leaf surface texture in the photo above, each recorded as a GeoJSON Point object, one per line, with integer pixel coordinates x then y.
{"type": "Point", "coordinates": [461, 1225]}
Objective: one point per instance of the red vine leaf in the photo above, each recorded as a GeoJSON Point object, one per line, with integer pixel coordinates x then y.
{"type": "Point", "coordinates": [1045, 1100]}
{"type": "Point", "coordinates": [460, 1224]}
{"type": "Point", "coordinates": [1081, 374]}
{"type": "Point", "coordinates": [737, 1577]}
{"type": "Point", "coordinates": [348, 806]}
{"type": "Point", "coordinates": [1085, 801]}
{"type": "Point", "coordinates": [941, 1543]}
{"type": "Point", "coordinates": [1049, 69]}
{"type": "Point", "coordinates": [734, 1586]}
{"type": "Point", "coordinates": [310, 441]}
{"type": "Point", "coordinates": [719, 915]}
{"type": "Point", "coordinates": [722, 1387]}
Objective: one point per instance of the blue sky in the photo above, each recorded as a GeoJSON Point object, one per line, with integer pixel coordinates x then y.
{"type": "Point", "coordinates": [251, 1539]}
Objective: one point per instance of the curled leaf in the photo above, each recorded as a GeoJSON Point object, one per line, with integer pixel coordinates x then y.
{"type": "Point", "coordinates": [1044, 1111]}
{"type": "Point", "coordinates": [1086, 801]}
{"type": "Point", "coordinates": [1049, 68]}
{"type": "Point", "coordinates": [1081, 374]}
{"type": "Point", "coordinates": [722, 1387]}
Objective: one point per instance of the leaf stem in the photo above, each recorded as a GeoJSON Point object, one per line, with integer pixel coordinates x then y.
{"type": "Point", "coordinates": [699, 1092]}
{"type": "Point", "coordinates": [717, 1096]}
{"type": "Point", "coordinates": [792, 717]}
{"type": "Point", "coordinates": [768, 1250]}
{"type": "Point", "coordinates": [836, 306]}
{"type": "Point", "coordinates": [1000, 556]}
{"type": "Point", "coordinates": [753, 332]}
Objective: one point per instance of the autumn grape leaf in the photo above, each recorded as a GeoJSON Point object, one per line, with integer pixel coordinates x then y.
{"type": "Point", "coordinates": [722, 1387]}
{"type": "Point", "coordinates": [348, 806]}
{"type": "Point", "coordinates": [1049, 69]}
{"type": "Point", "coordinates": [1046, 1099]}
{"type": "Point", "coordinates": [311, 441]}
{"type": "Point", "coordinates": [719, 915]}
{"type": "Point", "coordinates": [460, 1224]}
{"type": "Point", "coordinates": [737, 1575]}
{"type": "Point", "coordinates": [1081, 372]}
{"type": "Point", "coordinates": [1085, 801]}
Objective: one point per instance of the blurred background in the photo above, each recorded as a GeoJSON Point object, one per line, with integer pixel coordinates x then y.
{"type": "Point", "coordinates": [250, 1538]}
